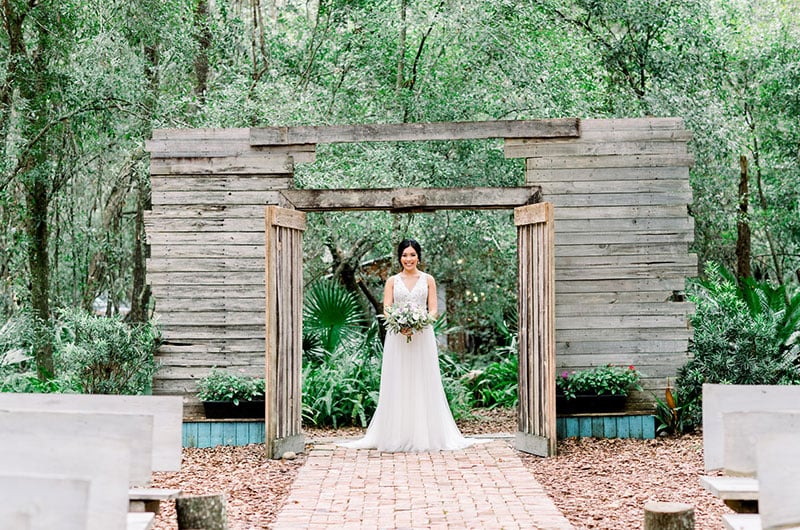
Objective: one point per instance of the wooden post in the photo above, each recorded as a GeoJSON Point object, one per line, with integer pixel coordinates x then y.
{"type": "Point", "coordinates": [536, 431]}
{"type": "Point", "coordinates": [202, 512]}
{"type": "Point", "coordinates": [668, 516]}
{"type": "Point", "coordinates": [284, 337]}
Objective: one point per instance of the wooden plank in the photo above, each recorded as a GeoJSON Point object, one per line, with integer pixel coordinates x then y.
{"type": "Point", "coordinates": [160, 239]}
{"type": "Point", "coordinates": [233, 265]}
{"type": "Point", "coordinates": [200, 279]}
{"type": "Point", "coordinates": [616, 352]}
{"type": "Point", "coordinates": [205, 211]}
{"type": "Point", "coordinates": [653, 261]}
{"type": "Point", "coordinates": [230, 134]}
{"type": "Point", "coordinates": [622, 309]}
{"type": "Point", "coordinates": [677, 273]}
{"type": "Point", "coordinates": [208, 251]}
{"type": "Point", "coordinates": [665, 285]}
{"type": "Point", "coordinates": [613, 298]}
{"type": "Point", "coordinates": [469, 198]}
{"type": "Point", "coordinates": [640, 124]}
{"type": "Point", "coordinates": [620, 212]}
{"type": "Point", "coordinates": [220, 183]}
{"type": "Point", "coordinates": [211, 318]}
{"type": "Point", "coordinates": [182, 293]}
{"type": "Point", "coordinates": [185, 333]}
{"type": "Point", "coordinates": [617, 186]}
{"type": "Point", "coordinates": [399, 132]}
{"type": "Point", "coordinates": [284, 217]}
{"type": "Point", "coordinates": [622, 334]}
{"type": "Point", "coordinates": [640, 224]}
{"type": "Point", "coordinates": [203, 304]}
{"type": "Point", "coordinates": [203, 147]}
{"type": "Point", "coordinates": [543, 176]}
{"type": "Point", "coordinates": [620, 249]}
{"type": "Point", "coordinates": [624, 238]}
{"type": "Point", "coordinates": [535, 214]}
{"type": "Point", "coordinates": [174, 198]}
{"type": "Point", "coordinates": [225, 165]}
{"type": "Point", "coordinates": [618, 199]}
{"type": "Point", "coordinates": [205, 225]}
{"type": "Point", "coordinates": [600, 147]}
{"type": "Point", "coordinates": [620, 321]}
{"type": "Point", "coordinates": [608, 161]}
{"type": "Point", "coordinates": [609, 135]}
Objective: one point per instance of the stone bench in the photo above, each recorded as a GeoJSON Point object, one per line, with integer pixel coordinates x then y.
{"type": "Point", "coordinates": [43, 502]}
{"type": "Point", "coordinates": [167, 413]}
{"type": "Point", "coordinates": [103, 463]}
{"type": "Point", "coordinates": [739, 421]}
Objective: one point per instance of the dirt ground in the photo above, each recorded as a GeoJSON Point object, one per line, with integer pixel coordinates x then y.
{"type": "Point", "coordinates": [597, 484]}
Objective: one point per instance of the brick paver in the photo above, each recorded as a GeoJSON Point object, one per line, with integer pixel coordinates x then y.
{"type": "Point", "coordinates": [483, 487]}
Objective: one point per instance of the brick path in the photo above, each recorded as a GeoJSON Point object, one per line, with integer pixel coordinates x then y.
{"type": "Point", "coordinates": [483, 487]}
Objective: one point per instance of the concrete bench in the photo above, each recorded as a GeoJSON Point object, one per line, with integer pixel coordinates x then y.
{"type": "Point", "coordinates": [149, 499]}
{"type": "Point", "coordinates": [43, 502]}
{"type": "Point", "coordinates": [104, 463]}
{"type": "Point", "coordinates": [719, 399]}
{"type": "Point", "coordinates": [140, 521]}
{"type": "Point", "coordinates": [739, 493]}
{"type": "Point", "coordinates": [167, 412]}
{"type": "Point", "coordinates": [92, 429]}
{"type": "Point", "coordinates": [743, 433]}
{"type": "Point", "coordinates": [741, 521]}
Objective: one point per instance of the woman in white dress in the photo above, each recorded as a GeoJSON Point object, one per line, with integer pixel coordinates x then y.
{"type": "Point", "coordinates": [413, 413]}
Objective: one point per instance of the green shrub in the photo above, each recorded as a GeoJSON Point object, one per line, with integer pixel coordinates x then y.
{"type": "Point", "coordinates": [497, 385]}
{"type": "Point", "coordinates": [220, 385]}
{"type": "Point", "coordinates": [342, 388]}
{"type": "Point", "coordinates": [744, 333]}
{"type": "Point", "coordinates": [332, 315]}
{"type": "Point", "coordinates": [104, 355]}
{"type": "Point", "coordinates": [608, 379]}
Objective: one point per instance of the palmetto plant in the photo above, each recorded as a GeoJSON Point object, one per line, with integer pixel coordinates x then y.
{"type": "Point", "coordinates": [331, 315]}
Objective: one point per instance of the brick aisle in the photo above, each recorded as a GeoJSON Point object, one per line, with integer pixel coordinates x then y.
{"type": "Point", "coordinates": [483, 487]}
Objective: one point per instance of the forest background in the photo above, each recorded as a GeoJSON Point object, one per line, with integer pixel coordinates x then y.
{"type": "Point", "coordinates": [84, 82]}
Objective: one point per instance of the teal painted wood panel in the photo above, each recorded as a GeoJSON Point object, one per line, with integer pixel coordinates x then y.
{"type": "Point", "coordinates": [212, 434]}
{"type": "Point", "coordinates": [640, 426]}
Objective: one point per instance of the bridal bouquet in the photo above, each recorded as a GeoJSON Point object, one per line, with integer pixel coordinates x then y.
{"type": "Point", "coordinates": [407, 317]}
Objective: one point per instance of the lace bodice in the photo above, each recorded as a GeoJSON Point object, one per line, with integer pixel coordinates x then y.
{"type": "Point", "coordinates": [417, 295]}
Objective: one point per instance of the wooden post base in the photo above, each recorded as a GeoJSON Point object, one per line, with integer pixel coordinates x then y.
{"type": "Point", "coordinates": [668, 516]}
{"type": "Point", "coordinates": [206, 512]}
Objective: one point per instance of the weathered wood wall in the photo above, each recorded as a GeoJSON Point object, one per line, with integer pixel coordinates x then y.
{"type": "Point", "coordinates": [620, 190]}
{"type": "Point", "coordinates": [206, 236]}
{"type": "Point", "coordinates": [622, 233]}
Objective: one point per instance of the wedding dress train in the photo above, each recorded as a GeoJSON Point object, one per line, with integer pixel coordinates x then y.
{"type": "Point", "coordinates": [412, 413]}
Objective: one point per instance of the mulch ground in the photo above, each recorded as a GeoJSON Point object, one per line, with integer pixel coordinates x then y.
{"type": "Point", "coordinates": [596, 483]}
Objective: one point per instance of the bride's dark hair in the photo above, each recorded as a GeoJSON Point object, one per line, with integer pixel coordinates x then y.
{"type": "Point", "coordinates": [404, 244]}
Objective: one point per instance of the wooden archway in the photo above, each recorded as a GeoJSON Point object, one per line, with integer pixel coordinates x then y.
{"type": "Point", "coordinates": [619, 187]}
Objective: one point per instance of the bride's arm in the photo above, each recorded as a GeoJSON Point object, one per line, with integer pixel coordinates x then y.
{"type": "Point", "coordinates": [388, 294]}
{"type": "Point", "coordinates": [433, 308]}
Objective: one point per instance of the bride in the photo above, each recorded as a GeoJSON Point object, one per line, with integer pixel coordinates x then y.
{"type": "Point", "coordinates": [412, 413]}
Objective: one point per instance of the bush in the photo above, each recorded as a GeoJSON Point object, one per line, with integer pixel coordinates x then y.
{"type": "Point", "coordinates": [608, 379]}
{"type": "Point", "coordinates": [744, 333]}
{"type": "Point", "coordinates": [497, 385]}
{"type": "Point", "coordinates": [225, 386]}
{"type": "Point", "coordinates": [104, 355]}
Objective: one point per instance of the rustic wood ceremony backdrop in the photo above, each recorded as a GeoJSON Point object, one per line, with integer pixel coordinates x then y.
{"type": "Point", "coordinates": [620, 190]}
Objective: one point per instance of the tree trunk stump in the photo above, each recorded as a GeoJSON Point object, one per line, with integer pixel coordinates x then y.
{"type": "Point", "coordinates": [202, 512]}
{"type": "Point", "coordinates": [668, 516]}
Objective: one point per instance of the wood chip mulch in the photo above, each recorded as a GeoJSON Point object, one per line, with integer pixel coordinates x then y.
{"type": "Point", "coordinates": [597, 484]}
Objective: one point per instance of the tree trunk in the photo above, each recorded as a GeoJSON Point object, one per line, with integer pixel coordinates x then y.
{"type": "Point", "coordinates": [203, 37]}
{"type": "Point", "coordinates": [743, 248]}
{"type": "Point", "coordinates": [37, 201]}
{"type": "Point", "coordinates": [206, 512]}
{"type": "Point", "coordinates": [668, 516]}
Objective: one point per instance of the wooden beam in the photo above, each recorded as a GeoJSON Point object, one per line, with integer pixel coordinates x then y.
{"type": "Point", "coordinates": [400, 132]}
{"type": "Point", "coordinates": [412, 199]}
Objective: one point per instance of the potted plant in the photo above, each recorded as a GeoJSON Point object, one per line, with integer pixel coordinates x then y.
{"type": "Point", "coordinates": [227, 395]}
{"type": "Point", "coordinates": [599, 389]}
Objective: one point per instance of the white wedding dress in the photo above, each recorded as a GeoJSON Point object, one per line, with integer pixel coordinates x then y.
{"type": "Point", "coordinates": [413, 413]}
